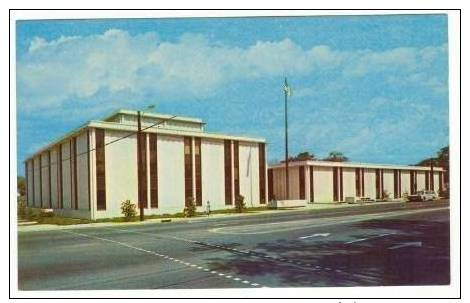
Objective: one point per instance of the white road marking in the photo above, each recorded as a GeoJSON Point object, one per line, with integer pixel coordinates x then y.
{"type": "Point", "coordinates": [370, 238]}
{"type": "Point", "coordinates": [152, 253]}
{"type": "Point", "coordinates": [302, 224]}
{"type": "Point", "coordinates": [315, 235]}
{"type": "Point", "coordinates": [415, 244]}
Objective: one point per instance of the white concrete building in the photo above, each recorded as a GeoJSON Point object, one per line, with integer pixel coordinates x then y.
{"type": "Point", "coordinates": [88, 172]}
{"type": "Point", "coordinates": [324, 181]}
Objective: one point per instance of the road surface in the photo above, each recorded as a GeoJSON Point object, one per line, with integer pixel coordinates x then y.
{"type": "Point", "coordinates": [392, 245]}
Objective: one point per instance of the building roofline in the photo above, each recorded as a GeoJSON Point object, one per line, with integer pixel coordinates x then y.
{"type": "Point", "coordinates": [353, 165]}
{"type": "Point", "coordinates": [159, 130]}
{"type": "Point", "coordinates": [153, 115]}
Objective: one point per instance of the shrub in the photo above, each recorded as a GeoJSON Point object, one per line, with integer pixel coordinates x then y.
{"type": "Point", "coordinates": [21, 209]}
{"type": "Point", "coordinates": [240, 203]}
{"type": "Point", "coordinates": [190, 208]}
{"type": "Point", "coordinates": [386, 195]}
{"type": "Point", "coordinates": [128, 209]}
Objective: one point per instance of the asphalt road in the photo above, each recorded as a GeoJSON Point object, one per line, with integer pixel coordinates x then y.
{"type": "Point", "coordinates": [389, 245]}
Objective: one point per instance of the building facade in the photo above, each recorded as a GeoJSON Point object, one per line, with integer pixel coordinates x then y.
{"type": "Point", "coordinates": [323, 181]}
{"type": "Point", "coordinates": [91, 170]}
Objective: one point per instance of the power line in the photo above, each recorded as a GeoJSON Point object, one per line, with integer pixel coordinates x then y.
{"type": "Point", "coordinates": [106, 144]}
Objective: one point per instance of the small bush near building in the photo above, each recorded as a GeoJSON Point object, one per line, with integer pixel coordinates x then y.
{"type": "Point", "coordinates": [128, 209]}
{"type": "Point", "coordinates": [386, 196]}
{"type": "Point", "coordinates": [240, 203]}
{"type": "Point", "coordinates": [190, 208]}
{"type": "Point", "coordinates": [21, 209]}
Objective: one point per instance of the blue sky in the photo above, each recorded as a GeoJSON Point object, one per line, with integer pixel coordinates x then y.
{"type": "Point", "coordinates": [372, 87]}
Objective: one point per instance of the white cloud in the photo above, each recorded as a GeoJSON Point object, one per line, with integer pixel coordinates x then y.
{"type": "Point", "coordinates": [54, 72]}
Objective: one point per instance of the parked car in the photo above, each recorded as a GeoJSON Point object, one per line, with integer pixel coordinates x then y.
{"type": "Point", "coordinates": [423, 195]}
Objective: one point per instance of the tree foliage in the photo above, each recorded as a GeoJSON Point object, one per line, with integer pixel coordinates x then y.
{"type": "Point", "coordinates": [336, 156]}
{"type": "Point", "coordinates": [128, 209]}
{"type": "Point", "coordinates": [21, 185]}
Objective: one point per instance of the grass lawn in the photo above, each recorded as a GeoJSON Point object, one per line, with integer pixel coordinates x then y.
{"type": "Point", "coordinates": [50, 218]}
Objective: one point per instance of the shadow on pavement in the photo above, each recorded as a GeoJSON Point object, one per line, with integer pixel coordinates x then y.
{"type": "Point", "coordinates": [416, 254]}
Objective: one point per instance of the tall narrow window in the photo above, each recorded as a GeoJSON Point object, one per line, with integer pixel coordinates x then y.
{"type": "Point", "coordinates": [153, 170]}
{"type": "Point", "coordinates": [75, 179]}
{"type": "Point", "coordinates": [270, 185]}
{"type": "Point", "coordinates": [426, 178]}
{"type": "Point", "coordinates": [440, 181]}
{"type": "Point", "coordinates": [228, 171]}
{"type": "Point", "coordinates": [431, 179]}
{"type": "Point", "coordinates": [59, 179]}
{"type": "Point", "coordinates": [362, 182]}
{"type": "Point", "coordinates": [262, 173]}
{"type": "Point", "coordinates": [301, 183]}
{"type": "Point", "coordinates": [396, 184]}
{"type": "Point", "coordinates": [27, 182]}
{"type": "Point", "coordinates": [341, 184]}
{"type": "Point", "coordinates": [335, 184]}
{"type": "Point", "coordinates": [358, 182]}
{"type": "Point", "coordinates": [377, 184]}
{"type": "Point", "coordinates": [236, 168]}
{"type": "Point", "coordinates": [88, 167]}
{"type": "Point", "coordinates": [100, 170]}
{"type": "Point", "coordinates": [312, 191]}
{"type": "Point", "coordinates": [188, 168]}
{"type": "Point", "coordinates": [32, 183]}
{"type": "Point", "coordinates": [381, 183]}
{"type": "Point", "coordinates": [197, 160]}
{"type": "Point", "coordinates": [40, 180]}
{"type": "Point", "coordinates": [142, 184]}
{"type": "Point", "coordinates": [412, 182]}
{"type": "Point", "coordinates": [49, 177]}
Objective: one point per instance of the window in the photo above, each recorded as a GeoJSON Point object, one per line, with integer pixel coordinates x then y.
{"type": "Point", "coordinates": [153, 171]}
{"type": "Point", "coordinates": [59, 179]}
{"type": "Point", "coordinates": [188, 168]}
{"type": "Point", "coordinates": [397, 183]}
{"type": "Point", "coordinates": [100, 170]}
{"type": "Point", "coordinates": [358, 183]}
{"type": "Point", "coordinates": [270, 185]}
{"type": "Point", "coordinates": [142, 172]}
{"type": "Point", "coordinates": [236, 168]}
{"type": "Point", "coordinates": [228, 171]}
{"type": "Point", "coordinates": [197, 160]}
{"type": "Point", "coordinates": [377, 184]}
{"type": "Point", "coordinates": [312, 192]}
{"type": "Point", "coordinates": [301, 183]}
{"type": "Point", "coordinates": [75, 179]}
{"type": "Point", "coordinates": [340, 184]}
{"type": "Point", "coordinates": [335, 184]}
{"type": "Point", "coordinates": [426, 184]}
{"type": "Point", "coordinates": [262, 173]}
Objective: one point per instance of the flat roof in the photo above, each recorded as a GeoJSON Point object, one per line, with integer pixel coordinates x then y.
{"type": "Point", "coordinates": [133, 128]}
{"type": "Point", "coordinates": [153, 115]}
{"type": "Point", "coordinates": [352, 165]}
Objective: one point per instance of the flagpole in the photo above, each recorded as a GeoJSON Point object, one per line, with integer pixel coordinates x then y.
{"type": "Point", "coordinates": [286, 91]}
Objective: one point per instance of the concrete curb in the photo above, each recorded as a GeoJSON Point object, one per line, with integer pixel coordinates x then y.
{"type": "Point", "coordinates": [313, 208]}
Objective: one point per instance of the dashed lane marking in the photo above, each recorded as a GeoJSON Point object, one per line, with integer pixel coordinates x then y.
{"type": "Point", "coordinates": [189, 265]}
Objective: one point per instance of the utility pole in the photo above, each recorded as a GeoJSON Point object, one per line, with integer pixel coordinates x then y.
{"type": "Point", "coordinates": [139, 168]}
{"type": "Point", "coordinates": [286, 93]}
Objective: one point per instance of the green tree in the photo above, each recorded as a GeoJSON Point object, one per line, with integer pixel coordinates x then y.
{"type": "Point", "coordinates": [336, 156]}
{"type": "Point", "coordinates": [21, 185]}
{"type": "Point", "coordinates": [305, 156]}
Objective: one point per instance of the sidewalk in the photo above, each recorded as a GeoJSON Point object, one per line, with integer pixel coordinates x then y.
{"type": "Point", "coordinates": [314, 207]}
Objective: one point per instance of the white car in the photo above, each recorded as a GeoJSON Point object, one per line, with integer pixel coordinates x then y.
{"type": "Point", "coordinates": [423, 195]}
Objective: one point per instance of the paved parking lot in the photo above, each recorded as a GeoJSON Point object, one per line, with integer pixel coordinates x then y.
{"type": "Point", "coordinates": [393, 246]}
